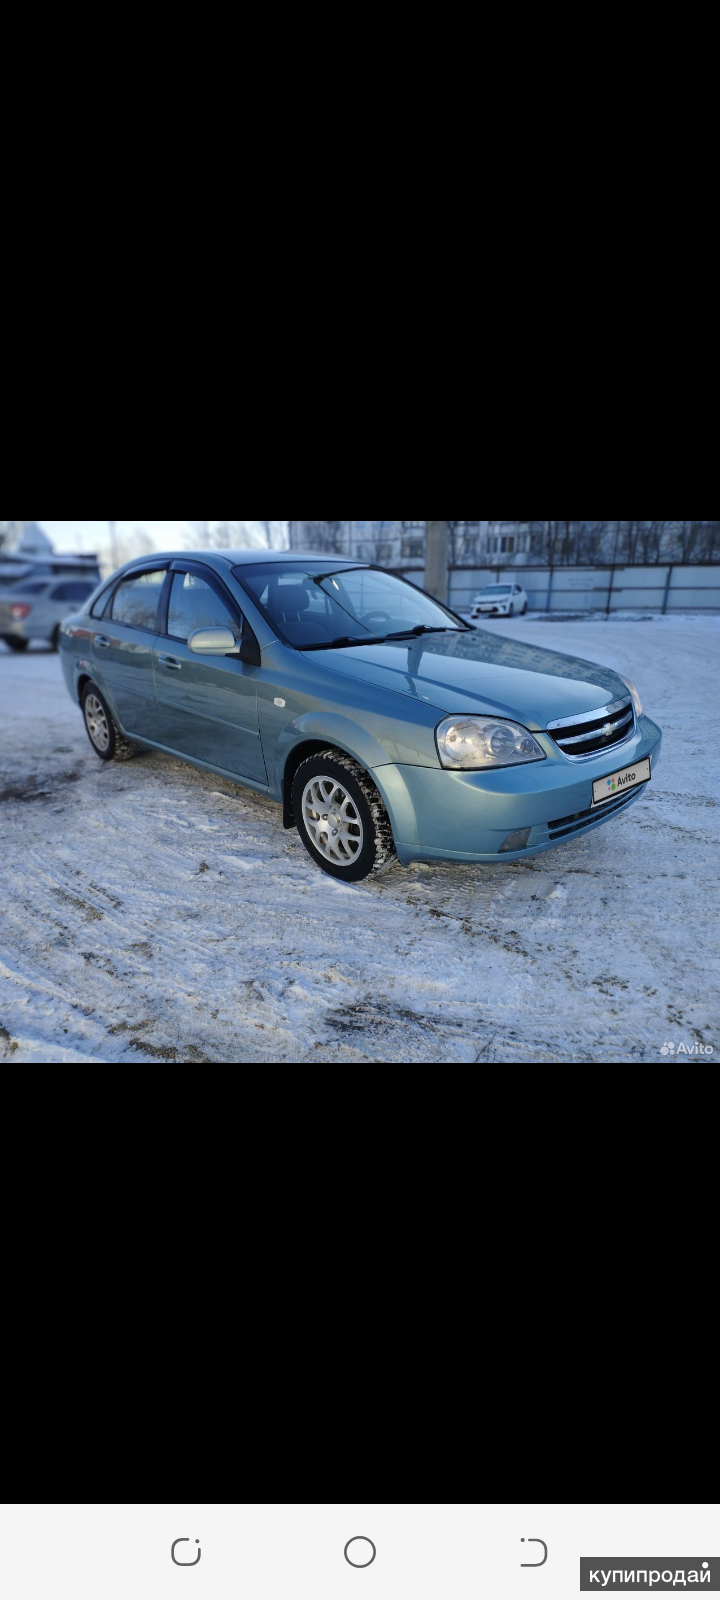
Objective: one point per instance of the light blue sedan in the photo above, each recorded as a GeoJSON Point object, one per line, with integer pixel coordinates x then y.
{"type": "Point", "coordinates": [380, 722]}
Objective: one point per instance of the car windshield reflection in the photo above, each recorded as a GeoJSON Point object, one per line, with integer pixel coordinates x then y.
{"type": "Point", "coordinates": [318, 610]}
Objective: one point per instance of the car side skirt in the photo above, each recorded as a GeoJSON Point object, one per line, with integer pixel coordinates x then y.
{"type": "Point", "coordinates": [205, 766]}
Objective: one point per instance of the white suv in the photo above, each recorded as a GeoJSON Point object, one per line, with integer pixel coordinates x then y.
{"type": "Point", "coordinates": [500, 600]}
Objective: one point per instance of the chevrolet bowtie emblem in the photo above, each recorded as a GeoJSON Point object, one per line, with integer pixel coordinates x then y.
{"type": "Point", "coordinates": [608, 729]}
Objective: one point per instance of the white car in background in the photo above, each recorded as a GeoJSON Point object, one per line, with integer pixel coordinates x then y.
{"type": "Point", "coordinates": [500, 600]}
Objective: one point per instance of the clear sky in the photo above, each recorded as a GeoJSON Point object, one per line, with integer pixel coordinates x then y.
{"type": "Point", "coordinates": [88, 537]}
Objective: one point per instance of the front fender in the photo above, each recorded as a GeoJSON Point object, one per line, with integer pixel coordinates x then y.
{"type": "Point", "coordinates": [336, 729]}
{"type": "Point", "coordinates": [341, 731]}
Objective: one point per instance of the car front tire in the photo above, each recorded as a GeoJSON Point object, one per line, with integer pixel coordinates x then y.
{"type": "Point", "coordinates": [101, 728]}
{"type": "Point", "coordinates": [341, 817]}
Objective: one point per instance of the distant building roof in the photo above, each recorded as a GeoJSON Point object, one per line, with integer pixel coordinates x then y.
{"type": "Point", "coordinates": [24, 539]}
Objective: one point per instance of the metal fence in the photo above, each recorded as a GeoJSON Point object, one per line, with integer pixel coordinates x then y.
{"type": "Point", "coordinates": [663, 589]}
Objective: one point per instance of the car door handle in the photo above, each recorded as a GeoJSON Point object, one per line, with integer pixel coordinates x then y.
{"type": "Point", "coordinates": [101, 642]}
{"type": "Point", "coordinates": [171, 664]}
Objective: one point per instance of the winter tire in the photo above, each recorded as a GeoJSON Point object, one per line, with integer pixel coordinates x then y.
{"type": "Point", "coordinates": [341, 817]}
{"type": "Point", "coordinates": [102, 730]}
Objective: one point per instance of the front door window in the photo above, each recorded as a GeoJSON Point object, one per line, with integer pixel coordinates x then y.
{"type": "Point", "coordinates": [194, 604]}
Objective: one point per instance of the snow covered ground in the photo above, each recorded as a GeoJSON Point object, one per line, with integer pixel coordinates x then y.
{"type": "Point", "coordinates": [152, 913]}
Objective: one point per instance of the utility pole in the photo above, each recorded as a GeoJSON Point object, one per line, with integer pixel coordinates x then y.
{"type": "Point", "coordinates": [113, 544]}
{"type": "Point", "coordinates": [436, 560]}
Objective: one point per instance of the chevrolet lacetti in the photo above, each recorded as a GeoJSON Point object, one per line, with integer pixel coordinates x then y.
{"type": "Point", "coordinates": [381, 723]}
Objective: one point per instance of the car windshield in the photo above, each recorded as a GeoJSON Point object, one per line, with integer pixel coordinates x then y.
{"type": "Point", "coordinates": [495, 590]}
{"type": "Point", "coordinates": [316, 610]}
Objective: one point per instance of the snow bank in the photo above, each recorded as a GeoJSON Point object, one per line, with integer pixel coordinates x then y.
{"type": "Point", "coordinates": [155, 914]}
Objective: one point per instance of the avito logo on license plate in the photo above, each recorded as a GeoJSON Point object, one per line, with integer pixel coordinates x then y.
{"type": "Point", "coordinates": [610, 788]}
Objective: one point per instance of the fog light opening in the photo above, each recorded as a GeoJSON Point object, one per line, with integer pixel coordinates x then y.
{"type": "Point", "coordinates": [516, 841]}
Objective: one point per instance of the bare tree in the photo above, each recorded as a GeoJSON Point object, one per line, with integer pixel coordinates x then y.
{"type": "Point", "coordinates": [591, 542]}
{"type": "Point", "coordinates": [468, 547]}
{"type": "Point", "coordinates": [276, 535]}
{"type": "Point", "coordinates": [463, 542]}
{"type": "Point", "coordinates": [378, 545]}
{"type": "Point", "coordinates": [689, 535]}
{"type": "Point", "coordinates": [627, 541]}
{"type": "Point", "coordinates": [652, 539]}
{"type": "Point", "coordinates": [567, 546]}
{"type": "Point", "coordinates": [552, 542]}
{"type": "Point", "coordinates": [112, 530]}
{"type": "Point", "coordinates": [325, 537]}
{"type": "Point", "coordinates": [580, 541]}
{"type": "Point", "coordinates": [203, 535]}
{"type": "Point", "coordinates": [632, 539]}
{"type": "Point", "coordinates": [225, 535]}
{"type": "Point", "coordinates": [710, 541]}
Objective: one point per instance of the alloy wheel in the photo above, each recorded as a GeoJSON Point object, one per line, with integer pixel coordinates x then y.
{"type": "Point", "coordinates": [332, 821]}
{"type": "Point", "coordinates": [97, 722]}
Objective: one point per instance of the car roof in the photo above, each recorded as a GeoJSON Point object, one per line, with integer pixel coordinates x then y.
{"type": "Point", "coordinates": [259, 558]}
{"type": "Point", "coordinates": [37, 563]}
{"type": "Point", "coordinates": [247, 558]}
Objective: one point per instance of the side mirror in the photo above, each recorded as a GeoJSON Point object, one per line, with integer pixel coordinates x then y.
{"type": "Point", "coordinates": [213, 642]}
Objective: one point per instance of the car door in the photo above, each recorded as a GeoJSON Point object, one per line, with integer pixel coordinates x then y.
{"type": "Point", "coordinates": [206, 705]}
{"type": "Point", "coordinates": [122, 647]}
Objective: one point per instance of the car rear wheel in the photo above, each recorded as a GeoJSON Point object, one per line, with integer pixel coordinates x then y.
{"type": "Point", "coordinates": [341, 817]}
{"type": "Point", "coordinates": [102, 730]}
{"type": "Point", "coordinates": [524, 609]}
{"type": "Point", "coordinates": [16, 644]}
{"type": "Point", "coordinates": [55, 641]}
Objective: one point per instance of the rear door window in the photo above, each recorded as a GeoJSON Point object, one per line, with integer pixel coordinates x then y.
{"type": "Point", "coordinates": [99, 607]}
{"type": "Point", "coordinates": [136, 600]}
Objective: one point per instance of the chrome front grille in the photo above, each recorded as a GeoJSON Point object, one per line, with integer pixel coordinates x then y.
{"type": "Point", "coordinates": [595, 732]}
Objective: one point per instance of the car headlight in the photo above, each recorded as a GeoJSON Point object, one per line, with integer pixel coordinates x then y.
{"type": "Point", "coordinates": [472, 742]}
{"type": "Point", "coordinates": [637, 702]}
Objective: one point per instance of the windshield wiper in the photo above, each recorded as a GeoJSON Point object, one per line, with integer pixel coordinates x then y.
{"type": "Point", "coordinates": [414, 633]}
{"type": "Point", "coordinates": [334, 644]}
{"type": "Point", "coordinates": [373, 638]}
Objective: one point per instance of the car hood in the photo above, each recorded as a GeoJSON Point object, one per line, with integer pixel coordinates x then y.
{"type": "Point", "coordinates": [482, 672]}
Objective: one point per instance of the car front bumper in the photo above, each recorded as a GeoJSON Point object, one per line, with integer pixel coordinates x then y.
{"type": "Point", "coordinates": [468, 816]}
